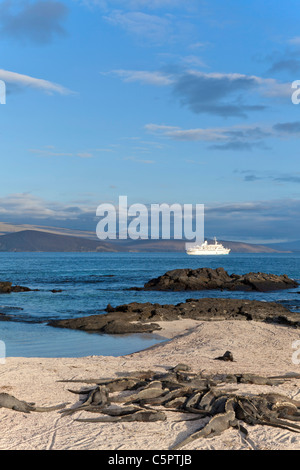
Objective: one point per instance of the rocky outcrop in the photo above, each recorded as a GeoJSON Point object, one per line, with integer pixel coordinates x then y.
{"type": "Point", "coordinates": [212, 279]}
{"type": "Point", "coordinates": [142, 317]}
{"type": "Point", "coordinates": [7, 288]}
{"type": "Point", "coordinates": [116, 322]}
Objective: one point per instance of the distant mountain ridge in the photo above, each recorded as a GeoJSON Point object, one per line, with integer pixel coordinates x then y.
{"type": "Point", "coordinates": [32, 240]}
{"type": "Point", "coordinates": [293, 246]}
{"type": "Point", "coordinates": [37, 241]}
{"type": "Point", "coordinates": [179, 246]}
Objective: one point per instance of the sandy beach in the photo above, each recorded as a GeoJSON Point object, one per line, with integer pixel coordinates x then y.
{"type": "Point", "coordinates": [260, 348]}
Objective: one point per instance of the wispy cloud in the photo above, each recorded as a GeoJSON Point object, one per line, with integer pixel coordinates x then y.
{"type": "Point", "coordinates": [152, 27]}
{"type": "Point", "coordinates": [28, 205]}
{"type": "Point", "coordinates": [156, 4]}
{"type": "Point", "coordinates": [197, 45]}
{"type": "Point", "coordinates": [236, 138]}
{"type": "Point", "coordinates": [193, 61]}
{"type": "Point", "coordinates": [152, 22]}
{"type": "Point", "coordinates": [250, 176]}
{"type": "Point", "coordinates": [49, 151]}
{"type": "Point", "coordinates": [288, 128]}
{"type": "Point", "coordinates": [254, 220]}
{"type": "Point", "coordinates": [250, 220]}
{"type": "Point", "coordinates": [139, 4]}
{"type": "Point", "coordinates": [176, 133]}
{"type": "Point", "coordinates": [290, 65]}
{"type": "Point", "coordinates": [139, 160]}
{"type": "Point", "coordinates": [239, 146]}
{"type": "Point", "coordinates": [283, 61]}
{"type": "Point", "coordinates": [155, 78]}
{"type": "Point", "coordinates": [32, 82]}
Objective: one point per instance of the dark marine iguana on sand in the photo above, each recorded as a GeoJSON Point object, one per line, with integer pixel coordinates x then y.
{"type": "Point", "coordinates": [180, 390]}
{"type": "Point", "coordinates": [13, 403]}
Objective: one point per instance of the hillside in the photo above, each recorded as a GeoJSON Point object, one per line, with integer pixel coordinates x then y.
{"type": "Point", "coordinates": [179, 246]}
{"type": "Point", "coordinates": [33, 240]}
{"type": "Point", "coordinates": [293, 246]}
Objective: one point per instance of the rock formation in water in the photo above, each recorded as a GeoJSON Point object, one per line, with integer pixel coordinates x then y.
{"type": "Point", "coordinates": [7, 288]}
{"type": "Point", "coordinates": [144, 317]}
{"type": "Point", "coordinates": [213, 279]}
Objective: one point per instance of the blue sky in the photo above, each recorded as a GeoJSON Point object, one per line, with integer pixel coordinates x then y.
{"type": "Point", "coordinates": [175, 101]}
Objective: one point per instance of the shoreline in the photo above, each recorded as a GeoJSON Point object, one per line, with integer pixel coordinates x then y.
{"type": "Point", "coordinates": [167, 333]}
{"type": "Point", "coordinates": [258, 348]}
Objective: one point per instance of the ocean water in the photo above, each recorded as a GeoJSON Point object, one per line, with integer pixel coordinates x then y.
{"type": "Point", "coordinates": [91, 281]}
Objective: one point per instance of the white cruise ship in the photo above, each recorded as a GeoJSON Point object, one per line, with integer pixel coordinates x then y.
{"type": "Point", "coordinates": [207, 249]}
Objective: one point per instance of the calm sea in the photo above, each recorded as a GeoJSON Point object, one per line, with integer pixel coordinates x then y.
{"type": "Point", "coordinates": [90, 281]}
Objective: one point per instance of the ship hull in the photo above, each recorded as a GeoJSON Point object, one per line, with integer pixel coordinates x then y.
{"type": "Point", "coordinates": [207, 254]}
{"type": "Point", "coordinates": [208, 250]}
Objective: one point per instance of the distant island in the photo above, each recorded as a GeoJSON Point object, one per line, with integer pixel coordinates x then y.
{"type": "Point", "coordinates": [42, 241]}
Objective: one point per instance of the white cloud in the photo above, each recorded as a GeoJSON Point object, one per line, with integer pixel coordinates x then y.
{"type": "Point", "coordinates": [28, 205]}
{"type": "Point", "coordinates": [36, 83]}
{"type": "Point", "coordinates": [271, 87]}
{"type": "Point", "coordinates": [143, 76]}
{"type": "Point", "coordinates": [176, 133]}
{"type": "Point", "coordinates": [217, 134]}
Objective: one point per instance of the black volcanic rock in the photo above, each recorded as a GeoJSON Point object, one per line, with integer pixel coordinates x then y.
{"type": "Point", "coordinates": [142, 317]}
{"type": "Point", "coordinates": [212, 279]}
{"type": "Point", "coordinates": [110, 323]}
{"type": "Point", "coordinates": [5, 287]}
{"type": "Point", "coordinates": [206, 309]}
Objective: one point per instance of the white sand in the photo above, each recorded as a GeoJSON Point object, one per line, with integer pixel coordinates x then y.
{"type": "Point", "coordinates": [259, 348]}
